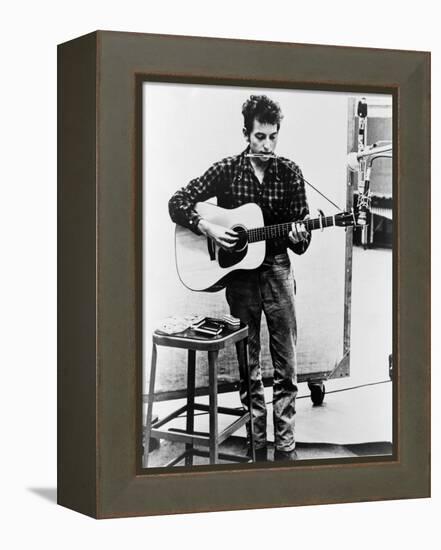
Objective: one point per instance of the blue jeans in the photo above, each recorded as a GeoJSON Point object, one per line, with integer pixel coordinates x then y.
{"type": "Point", "coordinates": [271, 289]}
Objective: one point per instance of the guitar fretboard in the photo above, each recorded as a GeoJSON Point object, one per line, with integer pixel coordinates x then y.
{"type": "Point", "coordinates": [282, 229]}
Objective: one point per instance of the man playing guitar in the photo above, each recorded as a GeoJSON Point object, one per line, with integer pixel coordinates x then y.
{"type": "Point", "coordinates": [276, 184]}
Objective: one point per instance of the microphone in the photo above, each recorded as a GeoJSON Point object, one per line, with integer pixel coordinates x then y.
{"type": "Point", "coordinates": [373, 151]}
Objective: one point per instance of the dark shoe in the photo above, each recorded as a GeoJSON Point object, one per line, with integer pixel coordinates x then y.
{"type": "Point", "coordinates": [284, 455]}
{"type": "Point", "coordinates": [261, 454]}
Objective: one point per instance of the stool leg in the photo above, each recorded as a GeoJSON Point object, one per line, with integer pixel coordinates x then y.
{"type": "Point", "coordinates": [148, 421]}
{"type": "Point", "coordinates": [212, 382]}
{"type": "Point", "coordinates": [191, 381]}
{"type": "Point", "coordinates": [244, 372]}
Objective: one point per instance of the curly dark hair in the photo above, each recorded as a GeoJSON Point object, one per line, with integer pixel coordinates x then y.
{"type": "Point", "coordinates": [263, 109]}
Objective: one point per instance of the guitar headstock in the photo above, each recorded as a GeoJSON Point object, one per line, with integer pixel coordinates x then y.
{"type": "Point", "coordinates": [345, 219]}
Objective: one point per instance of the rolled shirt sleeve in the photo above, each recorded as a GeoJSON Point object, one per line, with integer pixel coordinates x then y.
{"type": "Point", "coordinates": [181, 206]}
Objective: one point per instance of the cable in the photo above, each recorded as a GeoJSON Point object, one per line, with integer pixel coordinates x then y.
{"type": "Point", "coordinates": [310, 184]}
{"type": "Point", "coordinates": [351, 388]}
{"type": "Point", "coordinates": [307, 396]}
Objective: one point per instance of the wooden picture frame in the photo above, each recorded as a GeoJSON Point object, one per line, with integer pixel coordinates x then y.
{"type": "Point", "coordinates": [99, 398]}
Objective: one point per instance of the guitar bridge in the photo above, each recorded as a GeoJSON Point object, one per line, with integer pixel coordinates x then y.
{"type": "Point", "coordinates": [211, 249]}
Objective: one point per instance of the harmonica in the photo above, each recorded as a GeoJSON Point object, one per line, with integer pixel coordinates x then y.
{"type": "Point", "coordinates": [265, 156]}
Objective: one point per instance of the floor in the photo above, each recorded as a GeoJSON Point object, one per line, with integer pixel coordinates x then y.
{"type": "Point", "coordinates": [355, 418]}
{"type": "Point", "coordinates": [351, 422]}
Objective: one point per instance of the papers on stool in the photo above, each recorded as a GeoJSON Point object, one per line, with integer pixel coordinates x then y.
{"type": "Point", "coordinates": [178, 323]}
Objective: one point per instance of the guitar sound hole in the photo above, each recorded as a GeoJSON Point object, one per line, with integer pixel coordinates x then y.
{"type": "Point", "coordinates": [238, 253]}
{"type": "Point", "coordinates": [243, 238]}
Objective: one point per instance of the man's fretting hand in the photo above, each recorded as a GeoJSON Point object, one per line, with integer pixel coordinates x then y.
{"type": "Point", "coordinates": [298, 233]}
{"type": "Point", "coordinates": [223, 236]}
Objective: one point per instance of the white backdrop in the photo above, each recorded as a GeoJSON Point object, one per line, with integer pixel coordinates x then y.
{"type": "Point", "coordinates": [186, 129]}
{"type": "Point", "coordinates": [30, 32]}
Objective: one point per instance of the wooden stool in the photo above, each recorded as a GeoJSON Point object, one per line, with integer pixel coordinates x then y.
{"type": "Point", "coordinates": [194, 342]}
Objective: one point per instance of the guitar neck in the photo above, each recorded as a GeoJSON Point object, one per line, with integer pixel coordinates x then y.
{"type": "Point", "coordinates": [282, 229]}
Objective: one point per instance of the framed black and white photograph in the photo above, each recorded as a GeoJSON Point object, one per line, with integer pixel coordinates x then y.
{"type": "Point", "coordinates": [243, 301]}
{"type": "Point", "coordinates": [226, 171]}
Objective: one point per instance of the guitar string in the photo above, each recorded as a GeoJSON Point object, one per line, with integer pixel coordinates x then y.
{"type": "Point", "coordinates": [308, 222]}
{"type": "Point", "coordinates": [272, 230]}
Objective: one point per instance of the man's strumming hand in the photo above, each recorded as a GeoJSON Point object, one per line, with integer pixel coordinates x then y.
{"type": "Point", "coordinates": [223, 236]}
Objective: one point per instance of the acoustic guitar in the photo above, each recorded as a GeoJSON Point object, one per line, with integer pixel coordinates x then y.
{"type": "Point", "coordinates": [204, 266]}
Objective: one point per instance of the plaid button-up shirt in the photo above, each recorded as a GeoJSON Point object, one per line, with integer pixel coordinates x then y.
{"type": "Point", "coordinates": [233, 182]}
